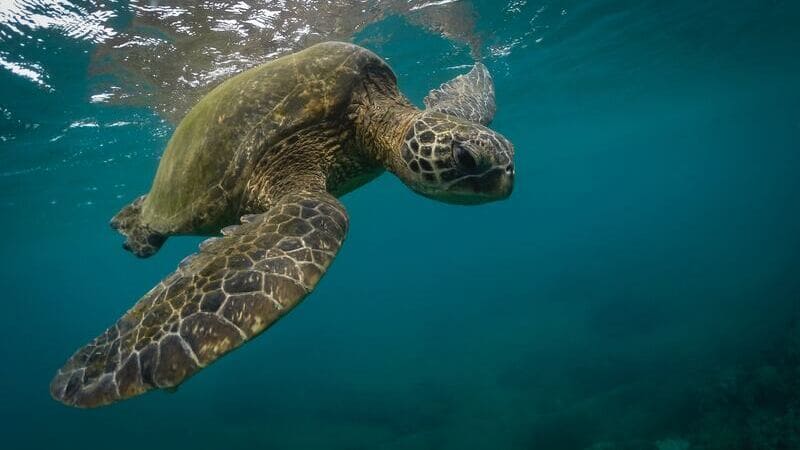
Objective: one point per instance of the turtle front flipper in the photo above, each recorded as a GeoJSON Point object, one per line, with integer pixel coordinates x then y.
{"type": "Point", "coordinates": [229, 292]}
{"type": "Point", "coordinates": [469, 96]}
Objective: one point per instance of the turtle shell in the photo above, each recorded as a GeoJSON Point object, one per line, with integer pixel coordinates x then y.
{"type": "Point", "coordinates": [201, 177]}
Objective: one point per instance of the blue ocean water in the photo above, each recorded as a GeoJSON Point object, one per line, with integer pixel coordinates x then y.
{"type": "Point", "coordinates": [639, 290]}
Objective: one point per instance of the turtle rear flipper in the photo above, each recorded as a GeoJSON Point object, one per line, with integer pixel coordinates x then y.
{"type": "Point", "coordinates": [141, 240]}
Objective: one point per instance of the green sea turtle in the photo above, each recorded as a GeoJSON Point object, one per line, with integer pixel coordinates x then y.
{"type": "Point", "coordinates": [263, 158]}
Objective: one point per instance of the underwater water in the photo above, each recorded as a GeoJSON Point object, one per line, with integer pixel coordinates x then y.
{"type": "Point", "coordinates": [639, 290]}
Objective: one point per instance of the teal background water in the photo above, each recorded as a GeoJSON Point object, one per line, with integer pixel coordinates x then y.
{"type": "Point", "coordinates": [639, 289]}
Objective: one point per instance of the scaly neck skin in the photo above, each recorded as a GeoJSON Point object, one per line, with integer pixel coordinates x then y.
{"type": "Point", "coordinates": [382, 116]}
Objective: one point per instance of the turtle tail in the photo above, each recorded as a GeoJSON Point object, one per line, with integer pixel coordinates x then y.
{"type": "Point", "coordinates": [141, 240]}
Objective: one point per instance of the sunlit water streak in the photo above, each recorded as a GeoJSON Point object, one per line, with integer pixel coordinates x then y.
{"type": "Point", "coordinates": [165, 55]}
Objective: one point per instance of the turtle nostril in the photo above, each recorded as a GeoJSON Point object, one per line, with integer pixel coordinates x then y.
{"type": "Point", "coordinates": [510, 169]}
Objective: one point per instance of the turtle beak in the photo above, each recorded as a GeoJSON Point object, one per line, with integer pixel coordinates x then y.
{"type": "Point", "coordinates": [495, 184]}
{"type": "Point", "coordinates": [507, 181]}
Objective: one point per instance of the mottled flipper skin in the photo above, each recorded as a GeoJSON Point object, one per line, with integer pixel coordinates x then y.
{"type": "Point", "coordinates": [230, 291]}
{"type": "Point", "coordinates": [469, 96]}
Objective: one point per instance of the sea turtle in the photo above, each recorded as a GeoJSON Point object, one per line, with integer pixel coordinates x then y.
{"type": "Point", "coordinates": [263, 158]}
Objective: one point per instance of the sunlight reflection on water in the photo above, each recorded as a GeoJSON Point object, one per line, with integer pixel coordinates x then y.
{"type": "Point", "coordinates": [166, 55]}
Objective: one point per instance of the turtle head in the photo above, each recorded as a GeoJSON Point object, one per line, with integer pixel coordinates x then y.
{"type": "Point", "coordinates": [456, 161]}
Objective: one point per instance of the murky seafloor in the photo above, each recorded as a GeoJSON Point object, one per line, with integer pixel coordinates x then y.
{"type": "Point", "coordinates": [639, 290]}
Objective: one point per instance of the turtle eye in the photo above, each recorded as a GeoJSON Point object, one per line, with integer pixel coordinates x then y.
{"type": "Point", "coordinates": [464, 158]}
